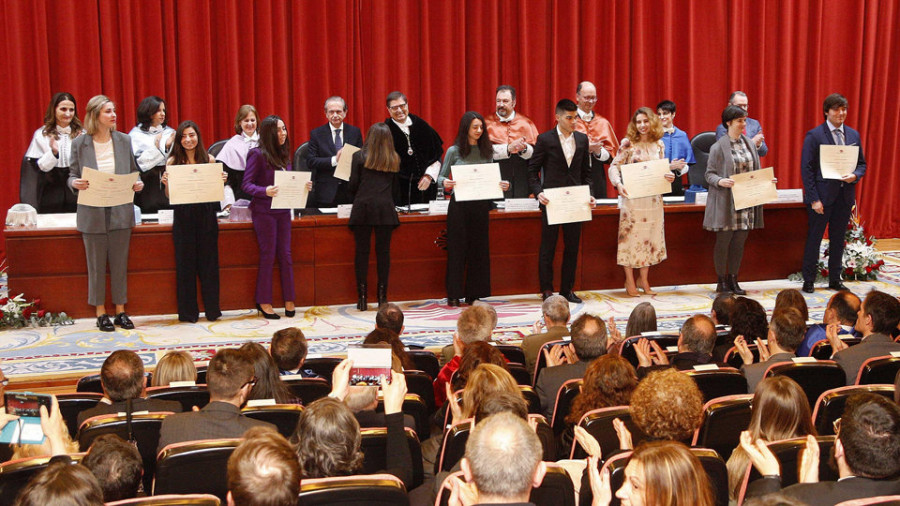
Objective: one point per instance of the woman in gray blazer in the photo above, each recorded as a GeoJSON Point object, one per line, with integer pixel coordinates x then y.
{"type": "Point", "coordinates": [106, 231]}
{"type": "Point", "coordinates": [734, 153]}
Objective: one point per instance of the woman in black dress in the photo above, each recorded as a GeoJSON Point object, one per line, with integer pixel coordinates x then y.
{"type": "Point", "coordinates": [372, 176]}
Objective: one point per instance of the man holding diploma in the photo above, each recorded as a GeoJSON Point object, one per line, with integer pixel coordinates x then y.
{"type": "Point", "coordinates": [830, 200]}
{"type": "Point", "coordinates": [324, 151]}
{"type": "Point", "coordinates": [561, 158]}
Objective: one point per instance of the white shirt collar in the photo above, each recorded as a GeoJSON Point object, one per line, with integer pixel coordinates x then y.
{"type": "Point", "coordinates": [507, 119]}
{"type": "Point", "coordinates": [586, 116]}
{"type": "Point", "coordinates": [333, 129]}
{"type": "Point", "coordinates": [562, 136]}
{"type": "Point", "coordinates": [407, 123]}
{"type": "Point", "coordinates": [832, 128]}
{"type": "Point", "coordinates": [250, 138]}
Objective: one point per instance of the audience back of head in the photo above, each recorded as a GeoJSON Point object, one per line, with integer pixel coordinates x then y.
{"type": "Point", "coordinates": [748, 319]}
{"type": "Point", "coordinates": [475, 323]}
{"type": "Point", "coordinates": [174, 366]}
{"type": "Point", "coordinates": [698, 334]}
{"type": "Point", "coordinates": [475, 354]}
{"type": "Point", "coordinates": [789, 328]}
{"type": "Point", "coordinates": [62, 484]}
{"type": "Point", "coordinates": [667, 405]}
{"type": "Point", "coordinates": [268, 379]}
{"type": "Point", "coordinates": [881, 313]}
{"type": "Point", "coordinates": [391, 338]}
{"type": "Point", "coordinates": [117, 465]}
{"type": "Point", "coordinates": [556, 309]}
{"type": "Point", "coordinates": [486, 381]}
{"type": "Point", "coordinates": [228, 371]}
{"type": "Point", "coordinates": [791, 298]}
{"type": "Point", "coordinates": [508, 440]}
{"type": "Point", "coordinates": [670, 474]}
{"type": "Point", "coordinates": [641, 319]}
{"type": "Point", "coordinates": [263, 471]}
{"type": "Point", "coordinates": [288, 348]}
{"type": "Point", "coordinates": [609, 381]}
{"type": "Point", "coordinates": [588, 336]}
{"type": "Point", "coordinates": [327, 440]}
{"type": "Point", "coordinates": [122, 375]}
{"type": "Point", "coordinates": [721, 308]}
{"type": "Point", "coordinates": [869, 434]}
{"type": "Point", "coordinates": [845, 305]}
{"type": "Point", "coordinates": [390, 317]}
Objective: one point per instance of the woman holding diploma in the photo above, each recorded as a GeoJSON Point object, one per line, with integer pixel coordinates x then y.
{"type": "Point", "coordinates": [734, 153]}
{"type": "Point", "coordinates": [106, 231]}
{"type": "Point", "coordinates": [642, 237]}
{"type": "Point", "coordinates": [372, 176]}
{"type": "Point", "coordinates": [272, 226]}
{"type": "Point", "coordinates": [195, 232]}
{"type": "Point", "coordinates": [49, 154]}
{"type": "Point", "coordinates": [468, 244]}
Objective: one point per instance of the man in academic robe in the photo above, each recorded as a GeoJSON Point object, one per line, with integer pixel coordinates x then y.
{"type": "Point", "coordinates": [420, 149]}
{"type": "Point", "coordinates": [603, 142]}
{"type": "Point", "coordinates": [325, 146]}
{"type": "Point", "coordinates": [513, 136]}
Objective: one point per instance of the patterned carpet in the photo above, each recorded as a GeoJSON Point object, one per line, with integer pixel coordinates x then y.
{"type": "Point", "coordinates": [34, 353]}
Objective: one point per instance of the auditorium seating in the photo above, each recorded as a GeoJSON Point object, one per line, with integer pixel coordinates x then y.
{"type": "Point", "coordinates": [512, 352]}
{"type": "Point", "coordinates": [813, 377]}
{"type": "Point", "coordinates": [788, 454]}
{"type": "Point", "coordinates": [194, 467]}
{"type": "Point", "coordinates": [821, 350]}
{"type": "Point", "coordinates": [719, 382]}
{"type": "Point", "coordinates": [283, 416]}
{"type": "Point", "coordinates": [830, 405]}
{"type": "Point", "coordinates": [374, 449]}
{"type": "Point", "coordinates": [414, 406]}
{"type": "Point", "coordinates": [701, 143]}
{"type": "Point", "coordinates": [425, 361]}
{"type": "Point", "coordinates": [733, 358]}
{"type": "Point", "coordinates": [531, 398]}
{"type": "Point", "coordinates": [71, 404]}
{"type": "Point", "coordinates": [556, 489]}
{"type": "Point", "coordinates": [188, 396]}
{"type": "Point", "coordinates": [665, 340]}
{"type": "Point", "coordinates": [878, 370]}
{"type": "Point", "coordinates": [217, 146]}
{"type": "Point", "coordinates": [14, 475]}
{"type": "Point", "coordinates": [519, 373]}
{"type": "Point", "coordinates": [300, 158]}
{"type": "Point", "coordinates": [564, 399]}
{"type": "Point", "coordinates": [170, 499]}
{"type": "Point", "coordinates": [307, 389]}
{"type": "Point", "coordinates": [323, 366]}
{"type": "Point", "coordinates": [421, 384]}
{"type": "Point", "coordinates": [723, 420]}
{"type": "Point", "coordinates": [371, 490]}
{"type": "Point", "coordinates": [599, 423]}
{"type": "Point", "coordinates": [91, 383]}
{"type": "Point", "coordinates": [453, 444]}
{"type": "Point", "coordinates": [541, 361]}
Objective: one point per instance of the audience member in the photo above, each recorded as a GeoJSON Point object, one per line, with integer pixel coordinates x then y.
{"type": "Point", "coordinates": [695, 346]}
{"type": "Point", "coordinates": [263, 471]}
{"type": "Point", "coordinates": [642, 319]}
{"type": "Point", "coordinates": [288, 349]}
{"type": "Point", "coordinates": [841, 310]}
{"type": "Point", "coordinates": [268, 383]}
{"type": "Point", "coordinates": [785, 335]}
{"type": "Point", "coordinates": [589, 340]}
{"type": "Point", "coordinates": [122, 378]}
{"type": "Point", "coordinates": [551, 327]}
{"type": "Point", "coordinates": [117, 465]}
{"type": "Point", "coordinates": [790, 297]}
{"type": "Point", "coordinates": [879, 315]}
{"type": "Point", "coordinates": [447, 352]}
{"type": "Point", "coordinates": [666, 405]}
{"type": "Point", "coordinates": [57, 440]}
{"type": "Point", "coordinates": [476, 353]}
{"type": "Point", "coordinates": [748, 319]}
{"type": "Point", "coordinates": [780, 411]}
{"type": "Point", "coordinates": [229, 380]}
{"type": "Point", "coordinates": [609, 381]}
{"type": "Point", "coordinates": [363, 402]}
{"type": "Point", "coordinates": [473, 324]}
{"type": "Point", "coordinates": [486, 381]}
{"type": "Point", "coordinates": [174, 366]}
{"type": "Point", "coordinates": [390, 317]}
{"type": "Point", "coordinates": [721, 310]}
{"type": "Point", "coordinates": [400, 360]}
{"type": "Point", "coordinates": [866, 451]}
{"type": "Point", "coordinates": [61, 484]}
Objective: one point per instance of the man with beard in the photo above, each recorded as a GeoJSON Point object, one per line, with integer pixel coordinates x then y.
{"type": "Point", "coordinates": [513, 136]}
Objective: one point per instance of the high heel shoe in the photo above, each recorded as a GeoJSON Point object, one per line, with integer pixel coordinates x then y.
{"type": "Point", "coordinates": [647, 290]}
{"type": "Point", "coordinates": [290, 312]}
{"type": "Point", "coordinates": [630, 293]}
{"type": "Point", "coordinates": [267, 316]}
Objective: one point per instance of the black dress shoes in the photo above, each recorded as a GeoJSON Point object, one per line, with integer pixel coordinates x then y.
{"type": "Point", "coordinates": [545, 294]}
{"type": "Point", "coordinates": [837, 285]}
{"type": "Point", "coordinates": [571, 297]}
{"type": "Point", "coordinates": [808, 287]}
{"type": "Point", "coordinates": [123, 321]}
{"type": "Point", "coordinates": [471, 300]}
{"type": "Point", "coordinates": [104, 323]}
{"type": "Point", "coordinates": [452, 302]}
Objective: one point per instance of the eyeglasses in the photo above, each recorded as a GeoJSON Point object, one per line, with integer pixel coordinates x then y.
{"type": "Point", "coordinates": [589, 99]}
{"type": "Point", "coordinates": [837, 426]}
{"type": "Point", "coordinates": [252, 382]}
{"type": "Point", "coordinates": [397, 107]}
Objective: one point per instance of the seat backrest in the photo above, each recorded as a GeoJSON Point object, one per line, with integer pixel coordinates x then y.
{"type": "Point", "coordinates": [878, 370]}
{"type": "Point", "coordinates": [831, 403]}
{"type": "Point", "coordinates": [414, 406]}
{"type": "Point", "coordinates": [733, 358]}
{"type": "Point", "coordinates": [201, 374]}
{"type": "Point", "coordinates": [188, 396]}
{"type": "Point", "coordinates": [283, 416]}
{"type": "Point", "coordinates": [519, 373]}
{"type": "Point", "coordinates": [15, 474]}
{"type": "Point", "coordinates": [788, 453]}
{"type": "Point", "coordinates": [425, 361]}
{"type": "Point", "coordinates": [599, 423]}
{"type": "Point", "coordinates": [453, 446]}
{"type": "Point", "coordinates": [719, 382]}
{"type": "Point", "coordinates": [723, 420]}
{"type": "Point", "coordinates": [307, 389]}
{"type": "Point", "coordinates": [73, 403]}
{"type": "Point", "coordinates": [421, 384]}
{"type": "Point", "coordinates": [323, 366]}
{"type": "Point", "coordinates": [626, 349]}
{"type": "Point", "coordinates": [145, 429]}
{"type": "Point", "coordinates": [512, 353]}
{"type": "Point", "coordinates": [194, 467]}
{"type": "Point", "coordinates": [822, 350]}
{"type": "Point", "coordinates": [892, 500]}
{"type": "Point", "coordinates": [371, 490]}
{"type": "Point", "coordinates": [564, 399]}
{"type": "Point", "coordinates": [170, 499]}
{"type": "Point", "coordinates": [813, 377]}
{"type": "Point", "coordinates": [374, 448]}
{"type": "Point", "coordinates": [92, 383]}
{"type": "Point", "coordinates": [556, 488]}
{"type": "Point", "coordinates": [300, 158]}
{"type": "Point", "coordinates": [531, 398]}
{"type": "Point", "coordinates": [701, 144]}
{"type": "Point", "coordinates": [216, 147]}
{"type": "Point", "coordinates": [616, 465]}
{"type": "Point", "coordinates": [541, 362]}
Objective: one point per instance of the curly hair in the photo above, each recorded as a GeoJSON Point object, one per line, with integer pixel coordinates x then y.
{"type": "Point", "coordinates": [748, 319]}
{"type": "Point", "coordinates": [656, 129]}
{"type": "Point", "coordinates": [609, 381]}
{"type": "Point", "coordinates": [667, 404]}
{"type": "Point", "coordinates": [327, 440]}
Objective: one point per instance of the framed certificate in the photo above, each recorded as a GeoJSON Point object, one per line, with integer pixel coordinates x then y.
{"type": "Point", "coordinates": [754, 188]}
{"type": "Point", "coordinates": [645, 179]}
{"type": "Point", "coordinates": [292, 192]}
{"type": "Point", "coordinates": [107, 190]}
{"type": "Point", "coordinates": [568, 204]}
{"type": "Point", "coordinates": [837, 161]}
{"type": "Point", "coordinates": [477, 182]}
{"type": "Point", "coordinates": [193, 184]}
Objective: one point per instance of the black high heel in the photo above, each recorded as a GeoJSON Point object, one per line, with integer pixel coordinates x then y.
{"type": "Point", "coordinates": [267, 316]}
{"type": "Point", "coordinates": [291, 313]}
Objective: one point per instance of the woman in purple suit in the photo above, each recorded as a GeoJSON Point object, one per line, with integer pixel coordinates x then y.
{"type": "Point", "coordinates": [272, 226]}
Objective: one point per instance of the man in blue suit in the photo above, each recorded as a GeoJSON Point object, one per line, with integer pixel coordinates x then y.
{"type": "Point", "coordinates": [753, 128]}
{"type": "Point", "coordinates": [830, 200]}
{"type": "Point", "coordinates": [325, 144]}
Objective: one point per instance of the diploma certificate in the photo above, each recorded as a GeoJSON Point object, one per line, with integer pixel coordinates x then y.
{"type": "Point", "coordinates": [107, 190]}
{"type": "Point", "coordinates": [753, 188]}
{"type": "Point", "coordinates": [645, 179]}
{"type": "Point", "coordinates": [292, 192]}
{"type": "Point", "coordinates": [197, 183]}
{"type": "Point", "coordinates": [342, 171]}
{"type": "Point", "coordinates": [568, 204]}
{"type": "Point", "coordinates": [837, 161]}
{"type": "Point", "coordinates": [477, 182]}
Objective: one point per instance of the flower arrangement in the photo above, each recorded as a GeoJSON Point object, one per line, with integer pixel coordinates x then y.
{"type": "Point", "coordinates": [17, 312]}
{"type": "Point", "coordinates": [861, 261]}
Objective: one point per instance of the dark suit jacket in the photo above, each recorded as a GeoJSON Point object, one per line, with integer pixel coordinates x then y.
{"type": "Point", "coordinates": [815, 187]}
{"type": "Point", "coordinates": [552, 378]}
{"type": "Point", "coordinates": [216, 420]}
{"type": "Point", "coordinates": [851, 359]}
{"type": "Point", "coordinates": [140, 404]}
{"type": "Point", "coordinates": [753, 127]}
{"type": "Point", "coordinates": [100, 220]}
{"type": "Point", "coordinates": [754, 372]}
{"type": "Point", "coordinates": [827, 492]}
{"type": "Point", "coordinates": [318, 157]}
{"type": "Point", "coordinates": [547, 167]}
{"type": "Point", "coordinates": [531, 345]}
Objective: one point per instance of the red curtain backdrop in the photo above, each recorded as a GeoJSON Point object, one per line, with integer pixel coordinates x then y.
{"type": "Point", "coordinates": [206, 58]}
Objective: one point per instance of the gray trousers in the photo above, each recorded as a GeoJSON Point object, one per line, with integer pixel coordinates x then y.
{"type": "Point", "coordinates": [99, 249]}
{"type": "Point", "coordinates": [729, 251]}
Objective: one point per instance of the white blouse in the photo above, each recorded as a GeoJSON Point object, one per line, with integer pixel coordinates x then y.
{"type": "Point", "coordinates": [106, 156]}
{"type": "Point", "coordinates": [40, 149]}
{"type": "Point", "coordinates": [143, 144]}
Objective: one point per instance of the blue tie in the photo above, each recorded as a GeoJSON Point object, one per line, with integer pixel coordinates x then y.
{"type": "Point", "coordinates": [338, 143]}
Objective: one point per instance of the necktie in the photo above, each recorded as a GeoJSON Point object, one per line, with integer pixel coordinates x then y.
{"type": "Point", "coordinates": [839, 136]}
{"type": "Point", "coordinates": [338, 143]}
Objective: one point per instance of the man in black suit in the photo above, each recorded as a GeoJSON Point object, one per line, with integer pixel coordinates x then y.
{"type": "Point", "coordinates": [866, 451]}
{"type": "Point", "coordinates": [830, 200]}
{"type": "Point", "coordinates": [561, 158]}
{"type": "Point", "coordinates": [325, 145]}
{"type": "Point", "coordinates": [122, 378]}
{"type": "Point", "coordinates": [229, 379]}
{"type": "Point", "coordinates": [695, 347]}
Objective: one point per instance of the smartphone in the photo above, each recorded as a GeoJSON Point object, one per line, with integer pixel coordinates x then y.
{"type": "Point", "coordinates": [27, 404]}
{"type": "Point", "coordinates": [371, 362]}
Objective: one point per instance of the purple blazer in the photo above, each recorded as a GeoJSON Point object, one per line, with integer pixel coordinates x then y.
{"type": "Point", "coordinates": [258, 175]}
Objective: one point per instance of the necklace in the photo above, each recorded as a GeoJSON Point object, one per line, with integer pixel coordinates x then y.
{"type": "Point", "coordinates": [408, 143]}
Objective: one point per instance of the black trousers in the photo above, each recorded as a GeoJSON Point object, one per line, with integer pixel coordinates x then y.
{"type": "Point", "coordinates": [571, 238]}
{"type": "Point", "coordinates": [515, 170]}
{"type": "Point", "coordinates": [363, 236]}
{"type": "Point", "coordinates": [153, 197]}
{"type": "Point", "coordinates": [468, 250]}
{"type": "Point", "coordinates": [836, 217]}
{"type": "Point", "coordinates": [195, 232]}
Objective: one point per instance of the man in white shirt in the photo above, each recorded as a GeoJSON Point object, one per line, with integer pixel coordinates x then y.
{"type": "Point", "coordinates": [325, 146]}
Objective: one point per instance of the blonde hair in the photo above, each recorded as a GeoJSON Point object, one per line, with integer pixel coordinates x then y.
{"type": "Point", "coordinates": [92, 113]}
{"type": "Point", "coordinates": [656, 129]}
{"type": "Point", "coordinates": [174, 366]}
{"type": "Point", "coordinates": [673, 475]}
{"type": "Point", "coordinates": [487, 380]}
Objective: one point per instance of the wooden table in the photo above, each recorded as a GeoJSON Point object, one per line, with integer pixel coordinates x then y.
{"type": "Point", "coordinates": [50, 263]}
